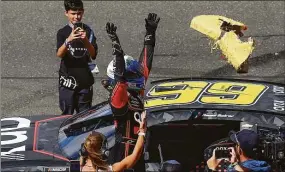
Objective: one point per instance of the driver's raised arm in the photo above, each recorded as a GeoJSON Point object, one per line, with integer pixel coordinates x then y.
{"type": "Point", "coordinates": [117, 52]}
{"type": "Point", "coordinates": [146, 56]}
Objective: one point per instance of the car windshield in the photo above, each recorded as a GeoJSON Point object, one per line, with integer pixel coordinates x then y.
{"type": "Point", "coordinates": [75, 129]}
{"type": "Point", "coordinates": [102, 109]}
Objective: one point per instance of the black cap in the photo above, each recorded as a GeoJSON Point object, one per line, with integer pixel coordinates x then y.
{"type": "Point", "coordinates": [246, 139]}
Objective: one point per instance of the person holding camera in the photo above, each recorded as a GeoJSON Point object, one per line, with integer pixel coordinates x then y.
{"type": "Point", "coordinates": [92, 151]}
{"type": "Point", "coordinates": [242, 156]}
{"type": "Point", "coordinates": [76, 46]}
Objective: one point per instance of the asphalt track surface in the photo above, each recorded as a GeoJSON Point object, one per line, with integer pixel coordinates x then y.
{"type": "Point", "coordinates": [29, 65]}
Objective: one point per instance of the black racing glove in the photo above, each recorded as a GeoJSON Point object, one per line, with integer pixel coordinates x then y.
{"type": "Point", "coordinates": [118, 53]}
{"type": "Point", "coordinates": [151, 23]}
{"type": "Point", "coordinates": [111, 31]}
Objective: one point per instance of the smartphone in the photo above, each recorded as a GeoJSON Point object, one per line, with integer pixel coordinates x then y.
{"type": "Point", "coordinates": [79, 24]}
{"type": "Point", "coordinates": [74, 166]}
{"type": "Point", "coordinates": [225, 153]}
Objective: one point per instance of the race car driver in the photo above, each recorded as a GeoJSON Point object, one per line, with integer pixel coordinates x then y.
{"type": "Point", "coordinates": [126, 81]}
{"type": "Point", "coordinates": [127, 76]}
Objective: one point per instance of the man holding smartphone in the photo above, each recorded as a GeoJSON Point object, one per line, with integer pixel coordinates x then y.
{"type": "Point", "coordinates": [76, 46]}
{"type": "Point", "coordinates": [242, 155]}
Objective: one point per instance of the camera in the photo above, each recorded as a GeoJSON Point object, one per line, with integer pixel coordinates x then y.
{"type": "Point", "coordinates": [222, 152]}
{"type": "Point", "coordinates": [221, 147]}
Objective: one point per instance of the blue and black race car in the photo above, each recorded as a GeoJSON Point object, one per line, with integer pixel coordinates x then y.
{"type": "Point", "coordinates": [186, 117]}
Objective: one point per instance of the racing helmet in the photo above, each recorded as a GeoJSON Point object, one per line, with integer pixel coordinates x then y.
{"type": "Point", "coordinates": [133, 74]}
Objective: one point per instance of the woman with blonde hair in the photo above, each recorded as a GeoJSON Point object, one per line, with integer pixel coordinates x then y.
{"type": "Point", "coordinates": [92, 152]}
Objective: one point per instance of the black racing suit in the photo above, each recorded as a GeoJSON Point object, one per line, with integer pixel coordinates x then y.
{"type": "Point", "coordinates": [124, 102]}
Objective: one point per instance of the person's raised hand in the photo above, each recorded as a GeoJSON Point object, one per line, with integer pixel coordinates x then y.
{"type": "Point", "coordinates": [75, 34]}
{"type": "Point", "coordinates": [111, 31]}
{"type": "Point", "coordinates": [151, 22]}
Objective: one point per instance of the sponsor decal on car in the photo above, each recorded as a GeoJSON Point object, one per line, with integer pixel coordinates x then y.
{"type": "Point", "coordinates": [278, 90]}
{"type": "Point", "coordinates": [57, 169]}
{"type": "Point", "coordinates": [213, 113]}
{"type": "Point", "coordinates": [279, 105]}
{"type": "Point", "coordinates": [204, 92]}
{"type": "Point", "coordinates": [17, 135]}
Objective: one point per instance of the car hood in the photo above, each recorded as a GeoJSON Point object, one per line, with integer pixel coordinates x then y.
{"type": "Point", "coordinates": [25, 140]}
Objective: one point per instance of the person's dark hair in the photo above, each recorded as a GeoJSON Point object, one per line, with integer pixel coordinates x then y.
{"type": "Point", "coordinates": [73, 5]}
{"type": "Point", "coordinates": [250, 153]}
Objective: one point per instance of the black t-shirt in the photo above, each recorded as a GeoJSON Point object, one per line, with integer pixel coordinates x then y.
{"type": "Point", "coordinates": [75, 61]}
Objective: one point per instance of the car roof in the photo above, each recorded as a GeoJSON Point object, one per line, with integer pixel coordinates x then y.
{"type": "Point", "coordinates": [216, 93]}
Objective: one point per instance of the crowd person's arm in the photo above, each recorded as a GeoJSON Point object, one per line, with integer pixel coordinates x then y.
{"type": "Point", "coordinates": [213, 162]}
{"type": "Point", "coordinates": [90, 47]}
{"type": "Point", "coordinates": [234, 161]}
{"type": "Point", "coordinates": [132, 159]}
{"type": "Point", "coordinates": [63, 42]}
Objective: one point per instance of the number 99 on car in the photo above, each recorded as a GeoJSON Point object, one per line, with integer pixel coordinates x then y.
{"type": "Point", "coordinates": [219, 93]}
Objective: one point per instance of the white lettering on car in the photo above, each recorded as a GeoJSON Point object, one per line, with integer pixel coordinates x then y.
{"type": "Point", "coordinates": [279, 105]}
{"type": "Point", "coordinates": [57, 169]}
{"type": "Point", "coordinates": [23, 123]}
{"type": "Point", "coordinates": [213, 113]}
{"type": "Point", "coordinates": [18, 136]}
{"type": "Point", "coordinates": [278, 90]}
{"type": "Point", "coordinates": [18, 149]}
{"type": "Point", "coordinates": [222, 148]}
